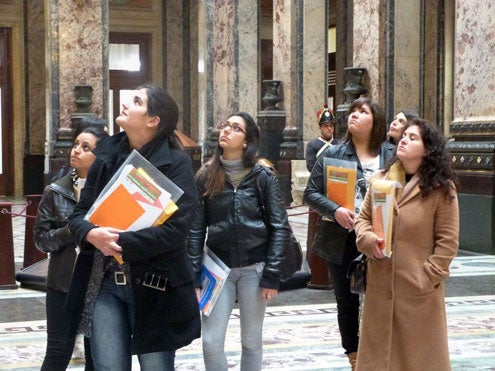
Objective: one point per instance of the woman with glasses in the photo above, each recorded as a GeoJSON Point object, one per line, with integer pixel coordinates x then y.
{"type": "Point", "coordinates": [248, 234]}
{"type": "Point", "coordinates": [365, 143]}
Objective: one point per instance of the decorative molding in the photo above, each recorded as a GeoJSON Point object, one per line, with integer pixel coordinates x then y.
{"type": "Point", "coordinates": [472, 155]}
{"type": "Point", "coordinates": [473, 130]}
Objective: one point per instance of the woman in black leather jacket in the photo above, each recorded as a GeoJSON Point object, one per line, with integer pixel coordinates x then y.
{"type": "Point", "coordinates": [365, 144]}
{"type": "Point", "coordinates": [248, 234]}
{"type": "Point", "coordinates": [52, 235]}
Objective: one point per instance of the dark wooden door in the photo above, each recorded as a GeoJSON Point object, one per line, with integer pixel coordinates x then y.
{"type": "Point", "coordinates": [6, 122]}
{"type": "Point", "coordinates": [122, 79]}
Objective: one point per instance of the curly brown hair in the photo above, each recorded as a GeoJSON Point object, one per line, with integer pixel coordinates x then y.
{"type": "Point", "coordinates": [436, 170]}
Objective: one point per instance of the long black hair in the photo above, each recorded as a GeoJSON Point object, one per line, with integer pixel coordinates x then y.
{"type": "Point", "coordinates": [162, 105]}
{"type": "Point", "coordinates": [211, 176]}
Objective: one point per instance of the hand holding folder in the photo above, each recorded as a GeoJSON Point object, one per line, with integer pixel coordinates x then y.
{"type": "Point", "coordinates": [138, 196]}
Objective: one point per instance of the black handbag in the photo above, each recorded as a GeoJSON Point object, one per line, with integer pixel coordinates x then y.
{"type": "Point", "coordinates": [293, 257]}
{"type": "Point", "coordinates": [356, 273]}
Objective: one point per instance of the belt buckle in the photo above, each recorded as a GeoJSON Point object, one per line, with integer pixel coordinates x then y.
{"type": "Point", "coordinates": [120, 278]}
{"type": "Point", "coordinates": [155, 281]}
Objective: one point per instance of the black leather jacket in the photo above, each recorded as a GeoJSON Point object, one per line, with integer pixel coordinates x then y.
{"type": "Point", "coordinates": [237, 232]}
{"type": "Point", "coordinates": [51, 233]}
{"type": "Point", "coordinates": [315, 198]}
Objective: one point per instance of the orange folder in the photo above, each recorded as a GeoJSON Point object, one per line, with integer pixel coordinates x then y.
{"type": "Point", "coordinates": [341, 182]}
{"type": "Point", "coordinates": [118, 210]}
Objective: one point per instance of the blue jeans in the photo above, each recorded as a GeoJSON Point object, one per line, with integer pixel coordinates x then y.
{"type": "Point", "coordinates": [243, 285]}
{"type": "Point", "coordinates": [112, 330]}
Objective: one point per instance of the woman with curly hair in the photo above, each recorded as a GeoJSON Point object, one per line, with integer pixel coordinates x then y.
{"type": "Point", "coordinates": [404, 321]}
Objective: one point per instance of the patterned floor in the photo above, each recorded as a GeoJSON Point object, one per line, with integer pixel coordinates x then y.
{"type": "Point", "coordinates": [297, 337]}
{"type": "Point", "coordinates": [303, 337]}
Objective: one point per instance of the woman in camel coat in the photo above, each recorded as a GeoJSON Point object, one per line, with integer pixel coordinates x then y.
{"type": "Point", "coordinates": [404, 319]}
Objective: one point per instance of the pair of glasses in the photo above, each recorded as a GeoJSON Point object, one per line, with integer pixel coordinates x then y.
{"type": "Point", "coordinates": [234, 126]}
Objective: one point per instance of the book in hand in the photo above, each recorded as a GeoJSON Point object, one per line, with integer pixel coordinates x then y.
{"type": "Point", "coordinates": [214, 273]}
{"type": "Point", "coordinates": [137, 196]}
{"type": "Point", "coordinates": [340, 181]}
{"type": "Point", "coordinates": [382, 201]}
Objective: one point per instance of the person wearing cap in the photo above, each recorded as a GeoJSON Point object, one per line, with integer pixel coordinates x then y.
{"type": "Point", "coordinates": [326, 121]}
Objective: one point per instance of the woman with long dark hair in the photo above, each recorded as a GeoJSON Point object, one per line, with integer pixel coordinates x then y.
{"type": "Point", "coordinates": [243, 220]}
{"type": "Point", "coordinates": [405, 298]}
{"type": "Point", "coordinates": [117, 305]}
{"type": "Point", "coordinates": [365, 144]}
{"type": "Point", "coordinates": [51, 235]}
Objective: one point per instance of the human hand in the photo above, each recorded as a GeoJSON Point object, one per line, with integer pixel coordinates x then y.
{"type": "Point", "coordinates": [105, 240]}
{"type": "Point", "coordinates": [198, 293]}
{"type": "Point", "coordinates": [377, 249]}
{"type": "Point", "coordinates": [269, 294]}
{"type": "Point", "coordinates": [345, 217]}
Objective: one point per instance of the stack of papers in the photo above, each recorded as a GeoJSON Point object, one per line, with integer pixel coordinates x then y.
{"type": "Point", "coordinates": [138, 196]}
{"type": "Point", "coordinates": [214, 273]}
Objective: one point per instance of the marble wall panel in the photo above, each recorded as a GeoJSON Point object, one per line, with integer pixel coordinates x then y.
{"type": "Point", "coordinates": [406, 56]}
{"type": "Point", "coordinates": [175, 55]}
{"type": "Point", "coordinates": [406, 84]}
{"type": "Point", "coordinates": [474, 81]}
{"type": "Point", "coordinates": [431, 93]}
{"type": "Point", "coordinates": [283, 55]}
{"type": "Point", "coordinates": [248, 61]}
{"type": "Point", "coordinates": [369, 45]}
{"type": "Point", "coordinates": [224, 74]}
{"type": "Point", "coordinates": [314, 66]}
{"type": "Point", "coordinates": [36, 70]}
{"type": "Point", "coordinates": [80, 54]}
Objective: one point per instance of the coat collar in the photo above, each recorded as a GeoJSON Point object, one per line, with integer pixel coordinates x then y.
{"type": "Point", "coordinates": [64, 187]}
{"type": "Point", "coordinates": [411, 189]}
{"type": "Point", "coordinates": [157, 151]}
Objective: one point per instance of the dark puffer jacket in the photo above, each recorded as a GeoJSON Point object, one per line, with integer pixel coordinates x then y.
{"type": "Point", "coordinates": [237, 232]}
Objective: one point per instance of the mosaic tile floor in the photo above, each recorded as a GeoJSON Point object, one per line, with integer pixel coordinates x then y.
{"type": "Point", "coordinates": [301, 337]}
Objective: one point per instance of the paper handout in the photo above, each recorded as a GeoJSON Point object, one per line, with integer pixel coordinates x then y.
{"type": "Point", "coordinates": [214, 273]}
{"type": "Point", "coordinates": [138, 196]}
{"type": "Point", "coordinates": [382, 199]}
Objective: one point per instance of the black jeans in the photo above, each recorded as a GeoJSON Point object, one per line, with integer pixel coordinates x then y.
{"type": "Point", "coordinates": [59, 346]}
{"type": "Point", "coordinates": [347, 302]}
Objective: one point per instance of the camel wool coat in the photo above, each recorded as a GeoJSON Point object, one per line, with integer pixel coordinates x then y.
{"type": "Point", "coordinates": [404, 325]}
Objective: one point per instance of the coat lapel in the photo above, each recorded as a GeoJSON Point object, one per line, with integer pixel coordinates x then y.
{"type": "Point", "coordinates": [411, 189]}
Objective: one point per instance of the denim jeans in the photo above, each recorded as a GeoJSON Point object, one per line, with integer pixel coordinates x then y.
{"type": "Point", "coordinates": [347, 302]}
{"type": "Point", "coordinates": [112, 329]}
{"type": "Point", "coordinates": [243, 285]}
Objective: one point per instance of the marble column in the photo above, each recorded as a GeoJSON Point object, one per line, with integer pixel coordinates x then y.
{"type": "Point", "coordinates": [369, 45]}
{"type": "Point", "coordinates": [228, 45]}
{"type": "Point", "coordinates": [315, 60]}
{"type": "Point", "coordinates": [473, 125]}
{"type": "Point", "coordinates": [77, 54]}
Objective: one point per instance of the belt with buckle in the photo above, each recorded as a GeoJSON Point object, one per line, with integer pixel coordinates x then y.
{"type": "Point", "coordinates": [119, 278]}
{"type": "Point", "coordinates": [155, 281]}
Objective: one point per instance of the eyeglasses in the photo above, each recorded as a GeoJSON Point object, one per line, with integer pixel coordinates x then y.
{"type": "Point", "coordinates": [234, 126]}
